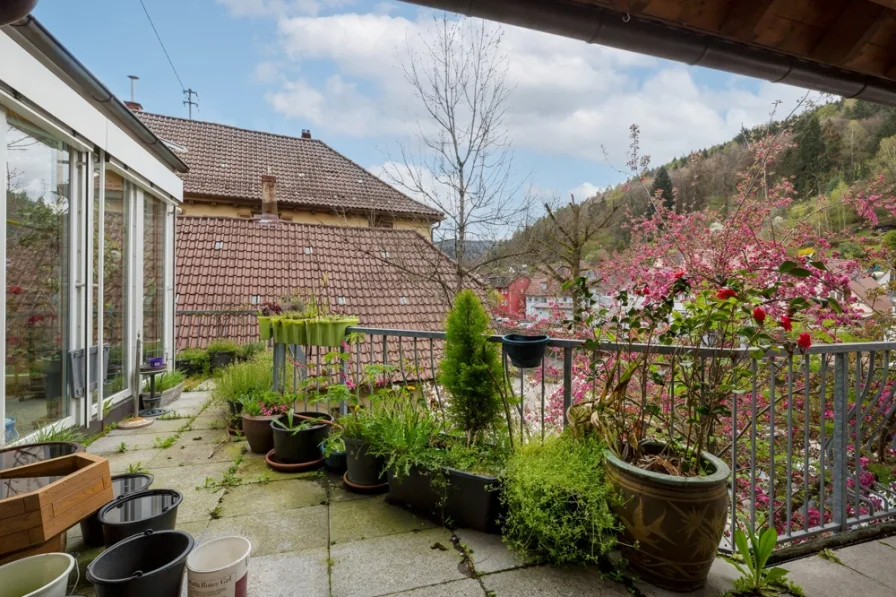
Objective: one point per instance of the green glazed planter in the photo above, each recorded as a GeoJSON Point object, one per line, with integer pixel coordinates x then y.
{"type": "Point", "coordinates": [329, 332]}
{"type": "Point", "coordinates": [279, 330]}
{"type": "Point", "coordinates": [296, 332]}
{"type": "Point", "coordinates": [265, 327]}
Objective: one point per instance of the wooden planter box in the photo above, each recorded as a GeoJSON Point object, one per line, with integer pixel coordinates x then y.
{"type": "Point", "coordinates": [39, 508]}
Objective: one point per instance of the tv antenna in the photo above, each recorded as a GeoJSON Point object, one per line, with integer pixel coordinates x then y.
{"type": "Point", "coordinates": [189, 93]}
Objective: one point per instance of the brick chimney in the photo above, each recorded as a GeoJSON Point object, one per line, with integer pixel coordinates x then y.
{"type": "Point", "coordinates": [133, 106]}
{"type": "Point", "coordinates": [269, 197]}
{"type": "Point", "coordinates": [306, 134]}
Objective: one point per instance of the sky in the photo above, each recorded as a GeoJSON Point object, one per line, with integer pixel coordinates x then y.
{"type": "Point", "coordinates": [333, 67]}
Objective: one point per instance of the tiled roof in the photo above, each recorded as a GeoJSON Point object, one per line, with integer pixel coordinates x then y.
{"type": "Point", "coordinates": [387, 277]}
{"type": "Point", "coordinates": [228, 162]}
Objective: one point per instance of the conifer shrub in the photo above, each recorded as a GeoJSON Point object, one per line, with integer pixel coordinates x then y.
{"type": "Point", "coordinates": [471, 369]}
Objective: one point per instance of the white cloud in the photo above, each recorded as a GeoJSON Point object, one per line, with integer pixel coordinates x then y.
{"type": "Point", "coordinates": [586, 190]}
{"type": "Point", "coordinates": [266, 72]}
{"type": "Point", "coordinates": [570, 98]}
{"type": "Point", "coordinates": [280, 8]}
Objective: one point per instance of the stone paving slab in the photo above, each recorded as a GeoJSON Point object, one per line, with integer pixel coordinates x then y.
{"type": "Point", "coordinates": [543, 581]}
{"type": "Point", "coordinates": [119, 463]}
{"type": "Point", "coordinates": [821, 578]}
{"type": "Point", "coordinates": [197, 503]}
{"type": "Point", "coordinates": [338, 492]}
{"type": "Point", "coordinates": [187, 477]}
{"type": "Point", "coordinates": [872, 559]}
{"type": "Point", "coordinates": [253, 468]}
{"type": "Point", "coordinates": [365, 519]}
{"type": "Point", "coordinates": [158, 427]}
{"type": "Point", "coordinates": [276, 532]}
{"type": "Point", "coordinates": [276, 496]}
{"type": "Point", "coordinates": [488, 552]}
{"type": "Point", "coordinates": [205, 421]}
{"type": "Point", "coordinates": [204, 436]}
{"type": "Point", "coordinates": [112, 444]}
{"type": "Point", "coordinates": [720, 580]}
{"type": "Point", "coordinates": [296, 574]}
{"type": "Point", "coordinates": [183, 453]}
{"type": "Point", "coordinates": [395, 563]}
{"type": "Point", "coordinates": [456, 588]}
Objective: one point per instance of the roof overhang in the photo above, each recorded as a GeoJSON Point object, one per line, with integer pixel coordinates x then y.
{"type": "Point", "coordinates": [845, 51]}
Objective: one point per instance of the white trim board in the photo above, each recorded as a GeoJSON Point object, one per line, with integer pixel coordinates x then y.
{"type": "Point", "coordinates": [37, 84]}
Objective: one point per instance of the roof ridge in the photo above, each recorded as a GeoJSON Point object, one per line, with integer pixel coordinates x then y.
{"type": "Point", "coordinates": [403, 231]}
{"type": "Point", "coordinates": [230, 126]}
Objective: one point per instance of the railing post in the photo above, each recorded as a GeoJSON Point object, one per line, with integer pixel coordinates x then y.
{"type": "Point", "coordinates": [567, 382]}
{"type": "Point", "coordinates": [839, 471]}
{"type": "Point", "coordinates": [279, 359]}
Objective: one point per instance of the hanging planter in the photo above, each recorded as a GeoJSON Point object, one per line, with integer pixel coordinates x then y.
{"type": "Point", "coordinates": [278, 330]}
{"type": "Point", "coordinates": [328, 331]}
{"type": "Point", "coordinates": [295, 331]}
{"type": "Point", "coordinates": [525, 352]}
{"type": "Point", "coordinates": [265, 327]}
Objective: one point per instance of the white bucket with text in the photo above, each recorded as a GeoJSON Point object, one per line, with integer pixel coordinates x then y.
{"type": "Point", "coordinates": [219, 568]}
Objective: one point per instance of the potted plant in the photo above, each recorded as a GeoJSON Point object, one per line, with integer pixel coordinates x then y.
{"type": "Point", "coordinates": [459, 463]}
{"type": "Point", "coordinates": [257, 412]}
{"type": "Point", "coordinates": [660, 458]}
{"type": "Point", "coordinates": [266, 311]}
{"type": "Point", "coordinates": [193, 361]}
{"type": "Point", "coordinates": [298, 436]}
{"type": "Point", "coordinates": [333, 449]}
{"type": "Point", "coordinates": [221, 353]}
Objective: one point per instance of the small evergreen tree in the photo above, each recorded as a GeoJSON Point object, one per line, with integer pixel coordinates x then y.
{"type": "Point", "coordinates": [811, 158]}
{"type": "Point", "coordinates": [663, 182]}
{"type": "Point", "coordinates": [471, 368]}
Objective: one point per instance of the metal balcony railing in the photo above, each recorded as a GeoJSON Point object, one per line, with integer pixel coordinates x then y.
{"type": "Point", "coordinates": [811, 439]}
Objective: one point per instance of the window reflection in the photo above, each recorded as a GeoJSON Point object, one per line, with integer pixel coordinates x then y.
{"type": "Point", "coordinates": [154, 214]}
{"type": "Point", "coordinates": [37, 273]}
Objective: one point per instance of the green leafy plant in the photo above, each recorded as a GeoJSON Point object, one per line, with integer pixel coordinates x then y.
{"type": "Point", "coordinates": [166, 443]}
{"type": "Point", "coordinates": [470, 368]}
{"type": "Point", "coordinates": [294, 424]}
{"type": "Point", "coordinates": [168, 380]}
{"type": "Point", "coordinates": [222, 345]}
{"type": "Point", "coordinates": [65, 434]}
{"type": "Point", "coordinates": [333, 444]}
{"type": "Point", "coordinates": [172, 416]}
{"type": "Point", "coordinates": [247, 351]}
{"type": "Point", "coordinates": [194, 361]}
{"type": "Point", "coordinates": [558, 502]}
{"type": "Point", "coordinates": [245, 379]}
{"type": "Point", "coordinates": [137, 467]}
{"type": "Point", "coordinates": [755, 578]}
{"type": "Point", "coordinates": [404, 436]}
{"type": "Point", "coordinates": [122, 447]}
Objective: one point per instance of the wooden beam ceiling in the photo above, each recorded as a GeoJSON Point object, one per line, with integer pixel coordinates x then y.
{"type": "Point", "coordinates": [856, 26]}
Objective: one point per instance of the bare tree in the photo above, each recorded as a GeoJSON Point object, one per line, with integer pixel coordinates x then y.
{"type": "Point", "coordinates": [560, 242]}
{"type": "Point", "coordinates": [462, 160]}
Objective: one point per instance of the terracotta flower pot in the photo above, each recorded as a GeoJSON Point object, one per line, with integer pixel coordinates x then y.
{"type": "Point", "coordinates": [672, 525]}
{"type": "Point", "coordinates": [258, 432]}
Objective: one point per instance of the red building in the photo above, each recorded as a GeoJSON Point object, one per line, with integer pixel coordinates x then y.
{"type": "Point", "coordinates": [513, 295]}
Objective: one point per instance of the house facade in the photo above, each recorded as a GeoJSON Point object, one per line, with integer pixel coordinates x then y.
{"type": "Point", "coordinates": [545, 299]}
{"type": "Point", "coordinates": [513, 295]}
{"type": "Point", "coordinates": [314, 183]}
{"type": "Point", "coordinates": [89, 203]}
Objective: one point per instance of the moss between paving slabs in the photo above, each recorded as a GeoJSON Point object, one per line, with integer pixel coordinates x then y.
{"type": "Point", "coordinates": [366, 519]}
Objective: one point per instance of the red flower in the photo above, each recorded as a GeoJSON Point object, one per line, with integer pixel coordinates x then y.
{"type": "Point", "coordinates": [804, 341]}
{"type": "Point", "coordinates": [759, 315]}
{"type": "Point", "coordinates": [725, 293]}
{"type": "Point", "coordinates": [679, 274]}
{"type": "Point", "coordinates": [643, 291]}
{"type": "Point", "coordinates": [16, 290]}
{"type": "Point", "coordinates": [785, 323]}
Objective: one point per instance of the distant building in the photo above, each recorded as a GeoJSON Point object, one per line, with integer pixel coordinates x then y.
{"type": "Point", "coordinates": [512, 291]}
{"type": "Point", "coordinates": [544, 298]}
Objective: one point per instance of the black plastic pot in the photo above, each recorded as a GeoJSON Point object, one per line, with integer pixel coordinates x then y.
{"type": "Point", "coordinates": [150, 564]}
{"type": "Point", "coordinates": [474, 501]}
{"type": "Point", "coordinates": [525, 351]}
{"type": "Point", "coordinates": [413, 491]}
{"type": "Point", "coordinates": [220, 359]}
{"type": "Point", "coordinates": [147, 402]}
{"type": "Point", "coordinates": [31, 453]}
{"type": "Point", "coordinates": [336, 462]}
{"type": "Point", "coordinates": [364, 468]}
{"type": "Point", "coordinates": [122, 485]}
{"type": "Point", "coordinates": [293, 447]}
{"type": "Point", "coordinates": [155, 509]}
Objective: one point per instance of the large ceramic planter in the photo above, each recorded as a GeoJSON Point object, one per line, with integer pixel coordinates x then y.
{"type": "Point", "coordinates": [265, 328]}
{"type": "Point", "coordinates": [294, 447]}
{"type": "Point", "coordinates": [672, 526]}
{"type": "Point", "coordinates": [364, 468]}
{"type": "Point", "coordinates": [258, 433]}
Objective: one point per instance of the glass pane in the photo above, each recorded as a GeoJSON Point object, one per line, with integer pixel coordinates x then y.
{"type": "Point", "coordinates": [37, 275]}
{"type": "Point", "coordinates": [153, 278]}
{"type": "Point", "coordinates": [115, 281]}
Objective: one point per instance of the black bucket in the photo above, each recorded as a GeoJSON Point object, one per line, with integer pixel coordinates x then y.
{"type": "Point", "coordinates": [525, 351]}
{"type": "Point", "coordinates": [150, 564]}
{"type": "Point", "coordinates": [155, 509]}
{"type": "Point", "coordinates": [122, 485]}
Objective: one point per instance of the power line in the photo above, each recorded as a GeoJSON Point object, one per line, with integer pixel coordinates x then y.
{"type": "Point", "coordinates": [158, 37]}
